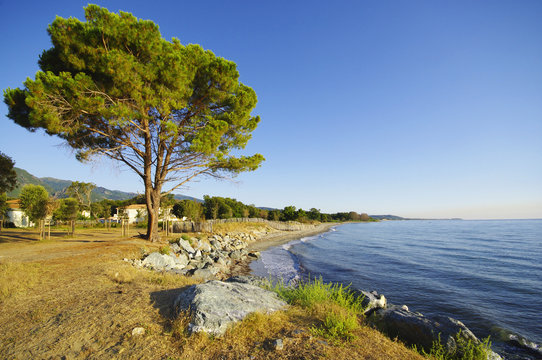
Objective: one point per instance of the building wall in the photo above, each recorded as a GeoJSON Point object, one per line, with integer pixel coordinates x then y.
{"type": "Point", "coordinates": [18, 218]}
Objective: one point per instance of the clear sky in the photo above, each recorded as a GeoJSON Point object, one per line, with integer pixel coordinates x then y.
{"type": "Point", "coordinates": [415, 108]}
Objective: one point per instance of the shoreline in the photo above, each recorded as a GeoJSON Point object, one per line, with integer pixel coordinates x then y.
{"type": "Point", "coordinates": [276, 239]}
{"type": "Point", "coordinates": [283, 237]}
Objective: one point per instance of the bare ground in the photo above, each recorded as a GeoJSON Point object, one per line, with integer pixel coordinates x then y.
{"type": "Point", "coordinates": [74, 298]}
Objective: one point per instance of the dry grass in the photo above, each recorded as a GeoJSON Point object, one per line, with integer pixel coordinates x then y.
{"type": "Point", "coordinates": [16, 278]}
{"type": "Point", "coordinates": [252, 339]}
{"type": "Point", "coordinates": [76, 298]}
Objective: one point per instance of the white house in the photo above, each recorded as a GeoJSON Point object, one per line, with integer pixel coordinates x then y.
{"type": "Point", "coordinates": [137, 213]}
{"type": "Point", "coordinates": [16, 215]}
{"type": "Point", "coordinates": [134, 213]}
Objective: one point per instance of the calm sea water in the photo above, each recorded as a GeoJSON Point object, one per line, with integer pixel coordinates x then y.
{"type": "Point", "coordinates": [488, 274]}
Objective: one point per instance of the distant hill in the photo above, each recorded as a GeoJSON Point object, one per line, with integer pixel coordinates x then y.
{"type": "Point", "coordinates": [56, 187]}
{"type": "Point", "coordinates": [388, 217]}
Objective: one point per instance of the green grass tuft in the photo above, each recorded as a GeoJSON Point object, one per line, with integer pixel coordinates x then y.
{"type": "Point", "coordinates": [337, 326]}
{"type": "Point", "coordinates": [164, 250]}
{"type": "Point", "coordinates": [465, 350]}
{"type": "Point", "coordinates": [311, 292]}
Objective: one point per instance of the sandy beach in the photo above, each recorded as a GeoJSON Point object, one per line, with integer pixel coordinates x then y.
{"type": "Point", "coordinates": [283, 237]}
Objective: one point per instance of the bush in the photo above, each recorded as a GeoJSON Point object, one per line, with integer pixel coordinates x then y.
{"type": "Point", "coordinates": [337, 326]}
{"type": "Point", "coordinates": [311, 292]}
{"type": "Point", "coordinates": [340, 306]}
{"type": "Point", "coordinates": [465, 350]}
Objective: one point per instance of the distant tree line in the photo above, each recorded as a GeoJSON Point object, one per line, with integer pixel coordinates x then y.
{"type": "Point", "coordinates": [226, 208]}
{"type": "Point", "coordinates": [38, 205]}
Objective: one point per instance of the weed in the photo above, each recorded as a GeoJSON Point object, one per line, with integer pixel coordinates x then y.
{"type": "Point", "coordinates": [185, 237]}
{"type": "Point", "coordinates": [164, 250]}
{"type": "Point", "coordinates": [338, 325]}
{"type": "Point", "coordinates": [311, 292]}
{"type": "Point", "coordinates": [466, 349]}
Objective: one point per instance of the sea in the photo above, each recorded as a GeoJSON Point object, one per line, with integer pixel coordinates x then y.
{"type": "Point", "coordinates": [485, 273]}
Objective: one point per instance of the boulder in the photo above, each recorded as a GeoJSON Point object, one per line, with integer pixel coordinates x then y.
{"type": "Point", "coordinates": [372, 301]}
{"type": "Point", "coordinates": [175, 247]}
{"type": "Point", "coordinates": [204, 247]}
{"type": "Point", "coordinates": [159, 261]}
{"type": "Point", "coordinates": [215, 305]}
{"type": "Point", "coordinates": [525, 344]}
{"type": "Point", "coordinates": [415, 329]}
{"type": "Point", "coordinates": [205, 274]}
{"type": "Point", "coordinates": [254, 254]}
{"type": "Point", "coordinates": [185, 245]}
{"type": "Point", "coordinates": [250, 279]}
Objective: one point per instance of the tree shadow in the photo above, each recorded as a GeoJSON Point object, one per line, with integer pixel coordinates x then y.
{"type": "Point", "coordinates": [163, 301]}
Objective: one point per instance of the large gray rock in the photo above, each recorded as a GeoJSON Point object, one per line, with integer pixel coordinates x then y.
{"type": "Point", "coordinates": [159, 261]}
{"type": "Point", "coordinates": [415, 329]}
{"type": "Point", "coordinates": [185, 245]}
{"type": "Point", "coordinates": [205, 274]}
{"type": "Point", "coordinates": [525, 344]}
{"type": "Point", "coordinates": [215, 305]}
{"type": "Point", "coordinates": [204, 247]}
{"type": "Point", "coordinates": [250, 279]}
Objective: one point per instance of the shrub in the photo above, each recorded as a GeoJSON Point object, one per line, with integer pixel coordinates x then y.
{"type": "Point", "coordinates": [337, 326]}
{"type": "Point", "coordinates": [311, 292]}
{"type": "Point", "coordinates": [465, 349]}
{"type": "Point", "coordinates": [339, 304]}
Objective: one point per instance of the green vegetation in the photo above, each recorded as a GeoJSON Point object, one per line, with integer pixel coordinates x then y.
{"type": "Point", "coordinates": [8, 181]}
{"type": "Point", "coordinates": [81, 191]}
{"type": "Point", "coordinates": [465, 350]}
{"type": "Point", "coordinates": [36, 205]}
{"type": "Point", "coordinates": [164, 250]}
{"type": "Point", "coordinates": [68, 210]}
{"type": "Point", "coordinates": [8, 176]}
{"type": "Point", "coordinates": [112, 86]}
{"type": "Point", "coordinates": [341, 306]}
{"type": "Point", "coordinates": [337, 326]}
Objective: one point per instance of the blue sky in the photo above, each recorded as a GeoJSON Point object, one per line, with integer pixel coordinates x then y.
{"type": "Point", "coordinates": [416, 108]}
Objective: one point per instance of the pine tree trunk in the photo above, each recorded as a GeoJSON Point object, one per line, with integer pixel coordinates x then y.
{"type": "Point", "coordinates": [152, 226]}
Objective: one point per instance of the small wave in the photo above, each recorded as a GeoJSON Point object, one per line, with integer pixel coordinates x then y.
{"type": "Point", "coordinates": [279, 263]}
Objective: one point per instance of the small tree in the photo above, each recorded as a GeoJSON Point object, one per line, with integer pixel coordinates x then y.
{"type": "Point", "coordinates": [314, 214]}
{"type": "Point", "coordinates": [68, 211]}
{"type": "Point", "coordinates": [188, 208]}
{"type": "Point", "coordinates": [34, 202]}
{"type": "Point", "coordinates": [82, 192]}
{"type": "Point", "coordinates": [289, 213]}
{"type": "Point", "coordinates": [274, 215]}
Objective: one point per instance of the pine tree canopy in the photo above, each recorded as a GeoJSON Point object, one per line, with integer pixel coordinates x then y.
{"type": "Point", "coordinates": [112, 86]}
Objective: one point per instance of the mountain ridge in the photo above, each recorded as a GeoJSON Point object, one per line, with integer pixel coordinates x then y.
{"type": "Point", "coordinates": [56, 187]}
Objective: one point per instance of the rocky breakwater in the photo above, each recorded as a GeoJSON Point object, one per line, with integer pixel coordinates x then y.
{"type": "Point", "coordinates": [209, 257]}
